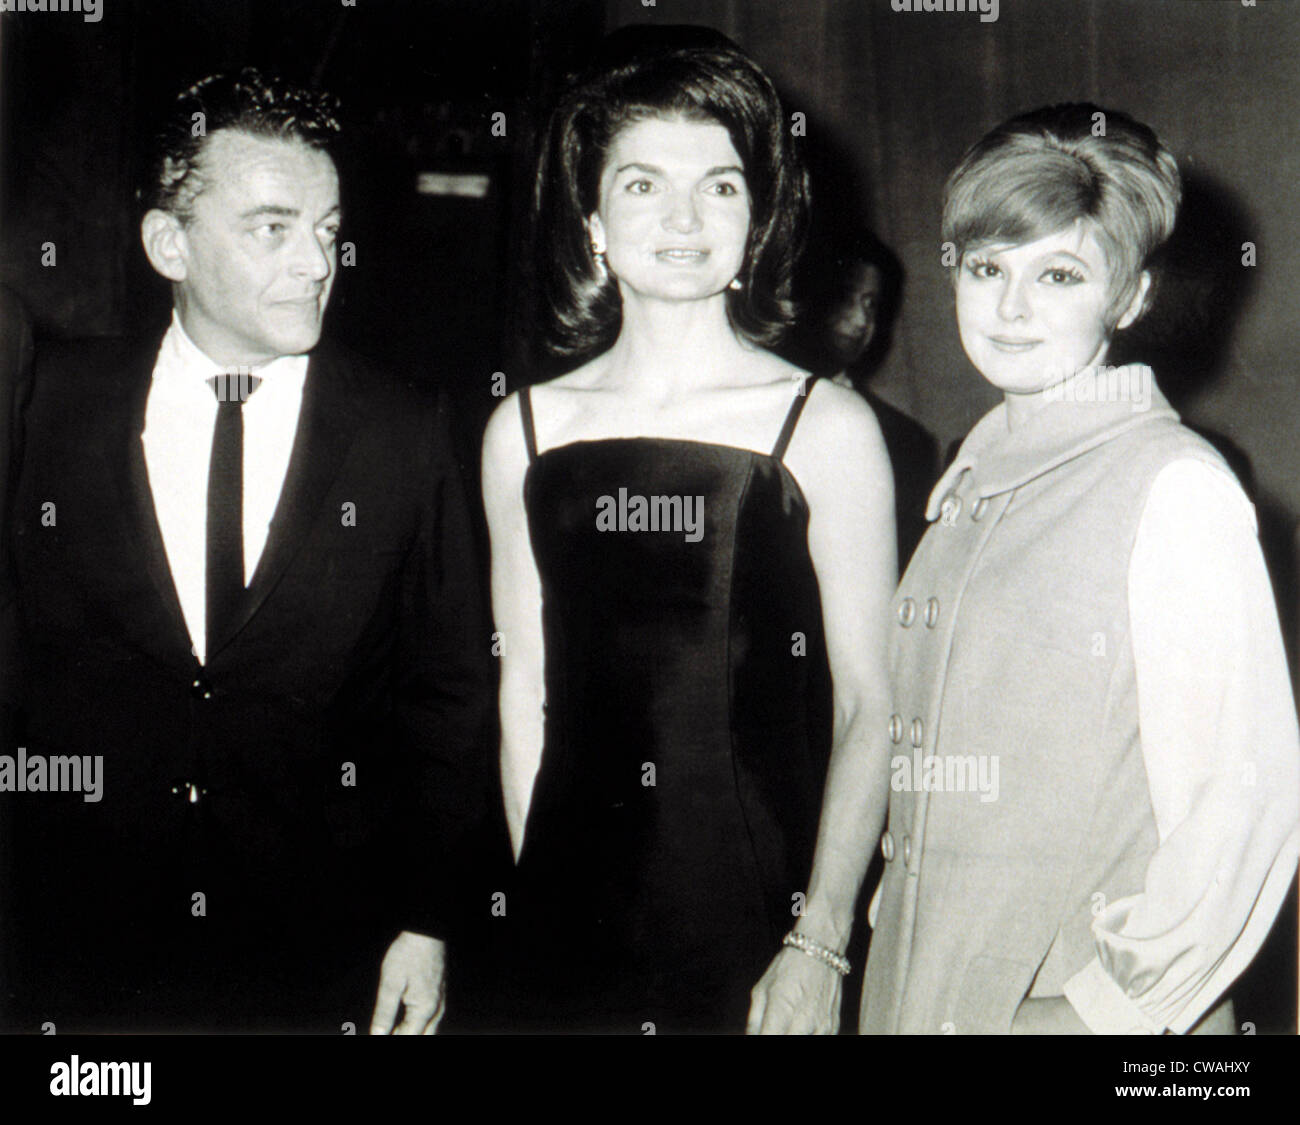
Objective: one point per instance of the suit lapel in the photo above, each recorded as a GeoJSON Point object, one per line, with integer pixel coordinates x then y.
{"type": "Point", "coordinates": [326, 428]}
{"type": "Point", "coordinates": [123, 465]}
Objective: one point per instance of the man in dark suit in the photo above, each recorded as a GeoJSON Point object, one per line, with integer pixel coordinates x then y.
{"type": "Point", "coordinates": [252, 651]}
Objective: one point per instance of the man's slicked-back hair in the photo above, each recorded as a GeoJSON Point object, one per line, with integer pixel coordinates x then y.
{"type": "Point", "coordinates": [247, 102]}
{"type": "Point", "coordinates": [695, 74]}
{"type": "Point", "coordinates": [1042, 171]}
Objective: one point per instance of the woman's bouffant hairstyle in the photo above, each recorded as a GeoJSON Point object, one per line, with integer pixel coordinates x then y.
{"type": "Point", "coordinates": [1042, 171]}
{"type": "Point", "coordinates": [692, 73]}
{"type": "Point", "coordinates": [248, 102]}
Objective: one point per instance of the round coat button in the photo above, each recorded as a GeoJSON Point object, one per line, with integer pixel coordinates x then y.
{"type": "Point", "coordinates": [932, 613]}
{"type": "Point", "coordinates": [887, 847]}
{"type": "Point", "coordinates": [907, 850]}
{"type": "Point", "coordinates": [200, 688]}
{"type": "Point", "coordinates": [906, 612]}
{"type": "Point", "coordinates": [918, 732]}
{"type": "Point", "coordinates": [895, 728]}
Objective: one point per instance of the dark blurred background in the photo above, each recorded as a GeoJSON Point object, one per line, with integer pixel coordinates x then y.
{"type": "Point", "coordinates": [891, 100]}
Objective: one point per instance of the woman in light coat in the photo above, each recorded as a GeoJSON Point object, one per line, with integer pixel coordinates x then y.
{"type": "Point", "coordinates": [1091, 785]}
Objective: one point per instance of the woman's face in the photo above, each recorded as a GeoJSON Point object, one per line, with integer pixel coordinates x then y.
{"type": "Point", "coordinates": [1034, 314]}
{"type": "Point", "coordinates": [673, 217]}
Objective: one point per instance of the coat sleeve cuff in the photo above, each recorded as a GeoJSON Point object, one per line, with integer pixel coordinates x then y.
{"type": "Point", "coordinates": [1104, 1006]}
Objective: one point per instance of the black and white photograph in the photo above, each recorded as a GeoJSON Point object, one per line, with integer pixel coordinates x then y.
{"type": "Point", "coordinates": [537, 521]}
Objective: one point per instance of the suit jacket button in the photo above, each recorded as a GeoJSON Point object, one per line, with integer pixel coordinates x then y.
{"type": "Point", "coordinates": [918, 733]}
{"type": "Point", "coordinates": [907, 851]}
{"type": "Point", "coordinates": [932, 613]}
{"type": "Point", "coordinates": [895, 728]}
{"type": "Point", "coordinates": [906, 612]}
{"type": "Point", "coordinates": [981, 506]}
{"type": "Point", "coordinates": [887, 847]}
{"type": "Point", "coordinates": [200, 688]}
{"type": "Point", "coordinates": [188, 791]}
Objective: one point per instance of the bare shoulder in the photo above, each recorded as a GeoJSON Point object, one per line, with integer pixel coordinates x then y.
{"type": "Point", "coordinates": [838, 454]}
{"type": "Point", "coordinates": [505, 426]}
{"type": "Point", "coordinates": [553, 404]}
{"type": "Point", "coordinates": [841, 421]}
{"type": "Point", "coordinates": [558, 402]}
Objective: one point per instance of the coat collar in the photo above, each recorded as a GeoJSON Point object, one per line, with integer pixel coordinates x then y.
{"type": "Point", "coordinates": [1087, 412]}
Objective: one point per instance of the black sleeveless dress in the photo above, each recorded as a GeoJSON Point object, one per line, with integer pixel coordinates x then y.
{"type": "Point", "coordinates": [687, 731]}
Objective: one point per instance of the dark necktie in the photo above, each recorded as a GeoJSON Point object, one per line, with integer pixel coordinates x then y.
{"type": "Point", "coordinates": [225, 554]}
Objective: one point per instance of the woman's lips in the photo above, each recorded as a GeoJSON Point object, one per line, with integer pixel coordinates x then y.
{"type": "Point", "coordinates": [1013, 345]}
{"type": "Point", "coordinates": [681, 255]}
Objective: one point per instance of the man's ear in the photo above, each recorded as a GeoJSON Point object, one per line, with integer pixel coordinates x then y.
{"type": "Point", "coordinates": [1139, 303]}
{"type": "Point", "coordinates": [164, 243]}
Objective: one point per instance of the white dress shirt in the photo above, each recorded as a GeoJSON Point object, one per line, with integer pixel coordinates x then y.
{"type": "Point", "coordinates": [1222, 755]}
{"type": "Point", "coordinates": [179, 419]}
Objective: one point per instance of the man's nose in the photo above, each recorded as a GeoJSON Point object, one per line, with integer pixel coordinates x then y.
{"type": "Point", "coordinates": [683, 215]}
{"type": "Point", "coordinates": [314, 257]}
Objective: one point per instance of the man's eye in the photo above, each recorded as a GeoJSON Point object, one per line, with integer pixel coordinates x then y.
{"type": "Point", "coordinates": [640, 187]}
{"type": "Point", "coordinates": [270, 230]}
{"type": "Point", "coordinates": [331, 233]}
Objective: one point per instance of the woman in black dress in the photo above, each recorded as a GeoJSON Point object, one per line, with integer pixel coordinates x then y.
{"type": "Point", "coordinates": [689, 575]}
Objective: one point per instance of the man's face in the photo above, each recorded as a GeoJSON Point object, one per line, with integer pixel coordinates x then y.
{"type": "Point", "coordinates": [259, 253]}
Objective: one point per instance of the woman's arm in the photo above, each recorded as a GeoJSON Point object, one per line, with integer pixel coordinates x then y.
{"type": "Point", "coordinates": [839, 459]}
{"type": "Point", "coordinates": [516, 612]}
{"type": "Point", "coordinates": [1222, 756]}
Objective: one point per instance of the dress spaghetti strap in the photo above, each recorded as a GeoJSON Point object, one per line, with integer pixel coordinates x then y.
{"type": "Point", "coordinates": [792, 418]}
{"type": "Point", "coordinates": [526, 415]}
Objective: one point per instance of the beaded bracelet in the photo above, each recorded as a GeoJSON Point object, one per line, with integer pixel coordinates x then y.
{"type": "Point", "coordinates": [805, 944]}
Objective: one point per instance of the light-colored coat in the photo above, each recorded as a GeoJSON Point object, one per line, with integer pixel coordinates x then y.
{"type": "Point", "coordinates": [1012, 665]}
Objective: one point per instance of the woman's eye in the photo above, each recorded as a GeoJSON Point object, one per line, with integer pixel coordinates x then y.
{"type": "Point", "coordinates": [980, 268]}
{"type": "Point", "coordinates": [1064, 276]}
{"type": "Point", "coordinates": [722, 187]}
{"type": "Point", "coordinates": [640, 187]}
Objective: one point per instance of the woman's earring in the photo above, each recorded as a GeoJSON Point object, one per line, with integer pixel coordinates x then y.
{"type": "Point", "coordinates": [602, 271]}
{"type": "Point", "coordinates": [735, 284]}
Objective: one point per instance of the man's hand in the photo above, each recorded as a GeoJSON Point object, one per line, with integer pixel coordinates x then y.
{"type": "Point", "coordinates": [798, 995]}
{"type": "Point", "coordinates": [412, 977]}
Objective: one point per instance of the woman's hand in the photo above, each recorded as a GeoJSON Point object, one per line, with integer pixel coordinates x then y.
{"type": "Point", "coordinates": [798, 995]}
{"type": "Point", "coordinates": [1047, 1015]}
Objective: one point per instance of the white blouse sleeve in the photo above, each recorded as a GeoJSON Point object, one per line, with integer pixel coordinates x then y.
{"type": "Point", "coordinates": [1222, 756]}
